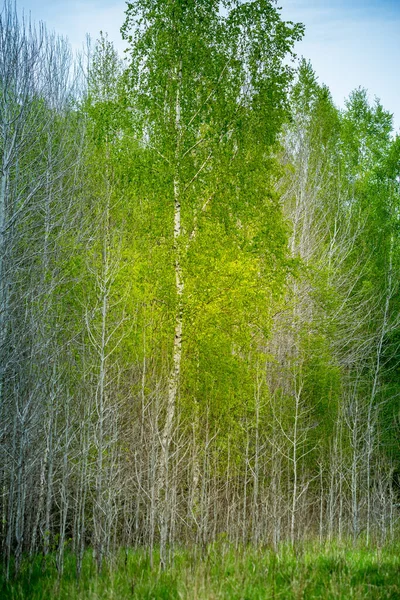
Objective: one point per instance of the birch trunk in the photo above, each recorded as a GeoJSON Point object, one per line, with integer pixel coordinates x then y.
{"type": "Point", "coordinates": [174, 376]}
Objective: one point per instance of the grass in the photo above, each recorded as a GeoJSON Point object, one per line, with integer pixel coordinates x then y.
{"type": "Point", "coordinates": [221, 573]}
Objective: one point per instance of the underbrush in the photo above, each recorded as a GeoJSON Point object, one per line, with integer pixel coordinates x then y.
{"type": "Point", "coordinates": [218, 573]}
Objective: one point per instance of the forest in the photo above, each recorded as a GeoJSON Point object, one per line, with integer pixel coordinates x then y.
{"type": "Point", "coordinates": [199, 304]}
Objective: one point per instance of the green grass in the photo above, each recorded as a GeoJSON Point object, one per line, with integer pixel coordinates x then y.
{"type": "Point", "coordinates": [220, 573]}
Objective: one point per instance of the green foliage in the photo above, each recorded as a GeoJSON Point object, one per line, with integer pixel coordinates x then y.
{"type": "Point", "coordinates": [204, 181]}
{"type": "Point", "coordinates": [223, 67]}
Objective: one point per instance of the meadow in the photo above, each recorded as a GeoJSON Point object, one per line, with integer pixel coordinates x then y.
{"type": "Point", "coordinates": [221, 572]}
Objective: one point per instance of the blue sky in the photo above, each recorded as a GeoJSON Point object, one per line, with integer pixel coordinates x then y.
{"type": "Point", "coordinates": [350, 43]}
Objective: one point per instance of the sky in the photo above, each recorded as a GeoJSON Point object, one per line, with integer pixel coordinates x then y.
{"type": "Point", "coordinates": [350, 43]}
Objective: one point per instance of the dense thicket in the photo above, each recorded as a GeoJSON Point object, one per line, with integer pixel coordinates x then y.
{"type": "Point", "coordinates": [199, 298]}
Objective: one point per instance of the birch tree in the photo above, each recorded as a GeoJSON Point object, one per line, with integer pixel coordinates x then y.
{"type": "Point", "coordinates": [203, 81]}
